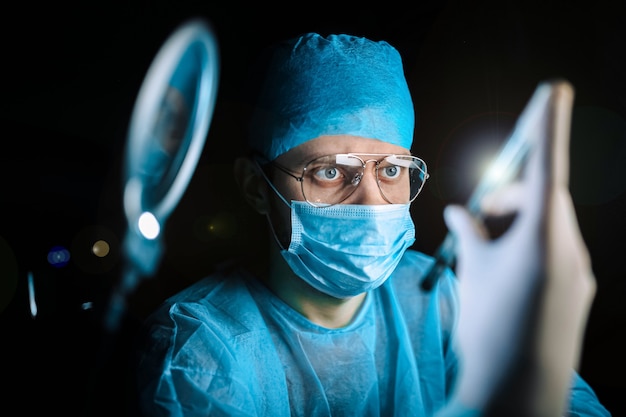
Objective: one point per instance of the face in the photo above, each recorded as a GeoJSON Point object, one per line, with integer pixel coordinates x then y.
{"type": "Point", "coordinates": [296, 159]}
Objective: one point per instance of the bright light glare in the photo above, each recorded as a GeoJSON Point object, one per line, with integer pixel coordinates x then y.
{"type": "Point", "coordinates": [497, 173]}
{"type": "Point", "coordinates": [149, 225]}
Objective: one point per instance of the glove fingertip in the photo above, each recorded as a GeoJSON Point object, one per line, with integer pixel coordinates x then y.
{"type": "Point", "coordinates": [461, 223]}
{"type": "Point", "coordinates": [455, 217]}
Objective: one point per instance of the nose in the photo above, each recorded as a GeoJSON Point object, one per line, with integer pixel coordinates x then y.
{"type": "Point", "coordinates": [367, 191]}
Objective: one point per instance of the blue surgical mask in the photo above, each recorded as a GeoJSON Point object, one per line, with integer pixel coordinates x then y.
{"type": "Point", "coordinates": [347, 249]}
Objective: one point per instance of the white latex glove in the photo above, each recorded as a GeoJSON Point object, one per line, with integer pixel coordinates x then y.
{"type": "Point", "coordinates": [525, 296]}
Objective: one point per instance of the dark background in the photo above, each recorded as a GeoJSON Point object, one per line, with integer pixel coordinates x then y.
{"type": "Point", "coordinates": [71, 77]}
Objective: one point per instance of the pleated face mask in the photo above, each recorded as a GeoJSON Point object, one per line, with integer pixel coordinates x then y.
{"type": "Point", "coordinates": [347, 249]}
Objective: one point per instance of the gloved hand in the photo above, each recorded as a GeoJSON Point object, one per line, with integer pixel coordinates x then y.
{"type": "Point", "coordinates": [525, 295]}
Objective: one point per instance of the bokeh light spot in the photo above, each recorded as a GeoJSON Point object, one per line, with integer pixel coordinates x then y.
{"type": "Point", "coordinates": [58, 256]}
{"type": "Point", "coordinates": [95, 249]}
{"type": "Point", "coordinates": [100, 248]}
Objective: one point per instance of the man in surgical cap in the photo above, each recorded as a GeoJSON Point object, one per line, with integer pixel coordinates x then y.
{"type": "Point", "coordinates": [336, 323]}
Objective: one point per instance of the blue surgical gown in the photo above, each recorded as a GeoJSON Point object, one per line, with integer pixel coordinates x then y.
{"type": "Point", "coordinates": [227, 346]}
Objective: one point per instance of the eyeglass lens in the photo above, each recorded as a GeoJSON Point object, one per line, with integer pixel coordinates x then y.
{"type": "Point", "coordinates": [331, 179]}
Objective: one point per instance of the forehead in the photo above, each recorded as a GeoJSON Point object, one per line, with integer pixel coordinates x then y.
{"type": "Point", "coordinates": [332, 144]}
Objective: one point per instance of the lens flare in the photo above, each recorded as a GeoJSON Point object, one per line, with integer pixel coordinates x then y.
{"type": "Point", "coordinates": [58, 256]}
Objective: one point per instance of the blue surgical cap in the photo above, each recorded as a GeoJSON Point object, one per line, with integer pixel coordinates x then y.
{"type": "Point", "coordinates": [334, 85]}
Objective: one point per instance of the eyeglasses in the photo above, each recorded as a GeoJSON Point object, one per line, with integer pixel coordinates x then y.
{"type": "Point", "coordinates": [331, 179]}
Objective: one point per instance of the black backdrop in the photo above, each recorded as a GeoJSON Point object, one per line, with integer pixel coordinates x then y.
{"type": "Point", "coordinates": [71, 76]}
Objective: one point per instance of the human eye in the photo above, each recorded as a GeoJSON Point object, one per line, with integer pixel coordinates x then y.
{"type": "Point", "coordinates": [332, 170]}
{"type": "Point", "coordinates": [327, 173]}
{"type": "Point", "coordinates": [390, 172]}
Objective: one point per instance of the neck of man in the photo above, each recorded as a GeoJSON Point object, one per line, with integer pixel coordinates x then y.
{"type": "Point", "coordinates": [318, 307]}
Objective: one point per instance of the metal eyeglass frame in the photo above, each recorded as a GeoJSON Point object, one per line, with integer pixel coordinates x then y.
{"type": "Point", "coordinates": [364, 163]}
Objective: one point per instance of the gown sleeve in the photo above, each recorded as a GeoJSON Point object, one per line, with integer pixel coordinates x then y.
{"type": "Point", "coordinates": [207, 356]}
{"type": "Point", "coordinates": [583, 401]}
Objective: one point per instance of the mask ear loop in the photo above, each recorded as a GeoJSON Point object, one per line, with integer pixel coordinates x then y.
{"type": "Point", "coordinates": [269, 221]}
{"type": "Point", "coordinates": [267, 216]}
{"type": "Point", "coordinates": [270, 183]}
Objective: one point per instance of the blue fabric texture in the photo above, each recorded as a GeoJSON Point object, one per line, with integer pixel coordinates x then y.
{"type": "Point", "coordinates": [357, 245]}
{"type": "Point", "coordinates": [334, 85]}
{"type": "Point", "coordinates": [227, 346]}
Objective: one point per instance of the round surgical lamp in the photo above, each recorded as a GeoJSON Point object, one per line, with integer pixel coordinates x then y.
{"type": "Point", "coordinates": [166, 135]}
